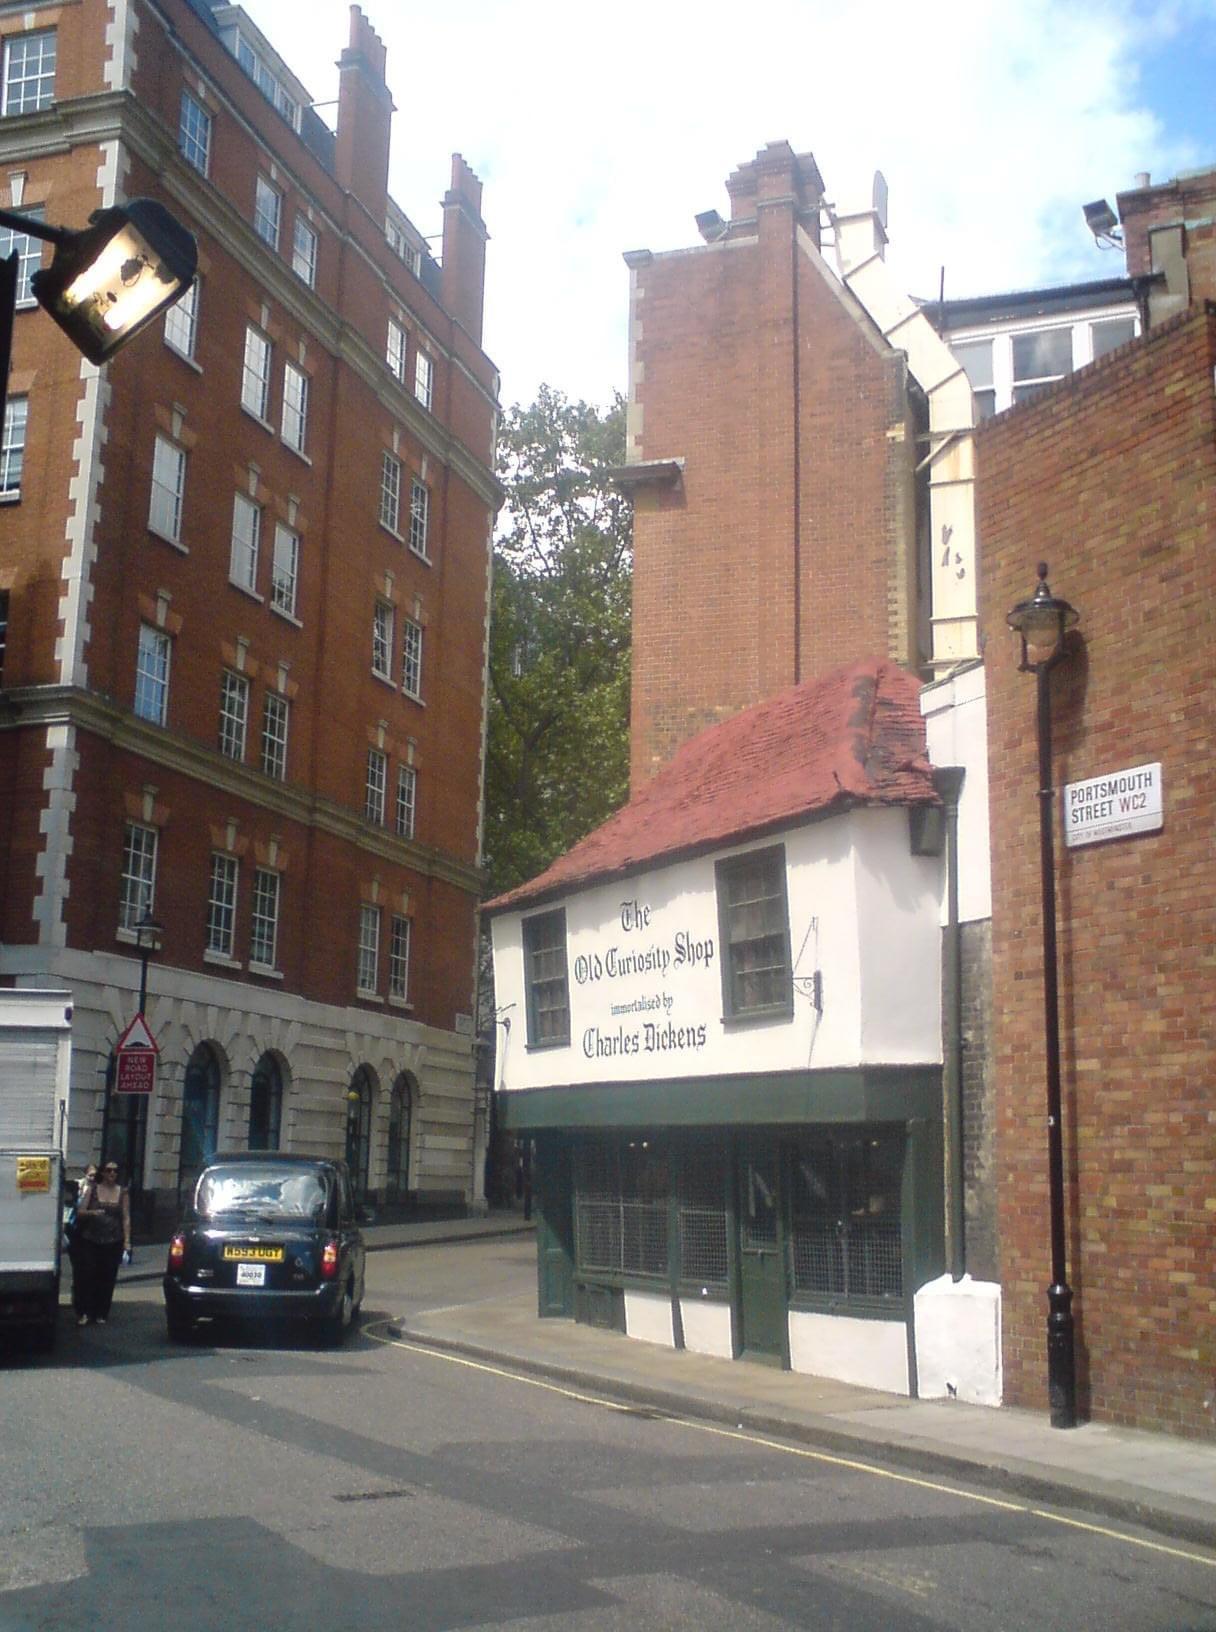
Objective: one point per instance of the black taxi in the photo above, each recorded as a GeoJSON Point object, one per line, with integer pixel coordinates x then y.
{"type": "Point", "coordinates": [268, 1236]}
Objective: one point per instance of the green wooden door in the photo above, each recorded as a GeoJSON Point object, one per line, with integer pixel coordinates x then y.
{"type": "Point", "coordinates": [763, 1321]}
{"type": "Point", "coordinates": [553, 1201]}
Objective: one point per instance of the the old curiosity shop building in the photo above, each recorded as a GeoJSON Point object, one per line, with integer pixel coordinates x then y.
{"type": "Point", "coordinates": [722, 1029]}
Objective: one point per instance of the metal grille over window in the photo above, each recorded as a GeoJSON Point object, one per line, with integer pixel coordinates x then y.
{"type": "Point", "coordinates": [620, 1208]}
{"type": "Point", "coordinates": [845, 1216]}
{"type": "Point", "coordinates": [701, 1211]}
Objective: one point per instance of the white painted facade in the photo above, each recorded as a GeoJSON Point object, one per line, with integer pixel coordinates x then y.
{"type": "Point", "coordinates": [645, 980]}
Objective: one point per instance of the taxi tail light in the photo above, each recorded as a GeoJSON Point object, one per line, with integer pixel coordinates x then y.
{"type": "Point", "coordinates": [177, 1251]}
{"type": "Point", "coordinates": [329, 1260]}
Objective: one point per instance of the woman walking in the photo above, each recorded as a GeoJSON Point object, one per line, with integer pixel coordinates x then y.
{"type": "Point", "coordinates": [103, 1234]}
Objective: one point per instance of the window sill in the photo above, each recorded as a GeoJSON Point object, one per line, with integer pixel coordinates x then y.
{"type": "Point", "coordinates": [173, 543]}
{"type": "Point", "coordinates": [402, 1003]}
{"type": "Point", "coordinates": [265, 970]}
{"type": "Point", "coordinates": [413, 696]}
{"type": "Point", "coordinates": [12, 496]}
{"type": "Point", "coordinates": [298, 452]}
{"type": "Point", "coordinates": [368, 997]}
{"type": "Point", "coordinates": [552, 1042]}
{"type": "Point", "coordinates": [893, 1308]}
{"type": "Point", "coordinates": [384, 679]}
{"type": "Point", "coordinates": [245, 590]}
{"type": "Point", "coordinates": [257, 419]}
{"type": "Point", "coordinates": [420, 555]}
{"type": "Point", "coordinates": [127, 936]}
{"type": "Point", "coordinates": [392, 531]}
{"type": "Point", "coordinates": [287, 617]}
{"type": "Point", "coordinates": [758, 1017]}
{"type": "Point", "coordinates": [183, 358]}
{"type": "Point", "coordinates": [221, 960]}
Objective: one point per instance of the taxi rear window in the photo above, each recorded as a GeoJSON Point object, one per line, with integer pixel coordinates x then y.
{"type": "Point", "coordinates": [273, 1191]}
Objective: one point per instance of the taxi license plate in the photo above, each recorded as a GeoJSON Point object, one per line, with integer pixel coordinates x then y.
{"type": "Point", "coordinates": [251, 1274]}
{"type": "Point", "coordinates": [254, 1255]}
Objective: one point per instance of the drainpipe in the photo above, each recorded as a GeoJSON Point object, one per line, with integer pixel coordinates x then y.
{"type": "Point", "coordinates": [948, 780]}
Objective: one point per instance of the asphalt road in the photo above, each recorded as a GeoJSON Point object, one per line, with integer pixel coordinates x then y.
{"type": "Point", "coordinates": [264, 1483]}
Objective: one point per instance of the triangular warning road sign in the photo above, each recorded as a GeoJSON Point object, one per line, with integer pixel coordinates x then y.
{"type": "Point", "coordinates": [137, 1035]}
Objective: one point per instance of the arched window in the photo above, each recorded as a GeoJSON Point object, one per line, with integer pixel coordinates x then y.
{"type": "Point", "coordinates": [400, 1117]}
{"type": "Point", "coordinates": [200, 1116]}
{"type": "Point", "coordinates": [359, 1129]}
{"type": "Point", "coordinates": [266, 1105]}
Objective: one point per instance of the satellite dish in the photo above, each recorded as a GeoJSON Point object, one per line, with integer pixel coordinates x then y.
{"type": "Point", "coordinates": [878, 198]}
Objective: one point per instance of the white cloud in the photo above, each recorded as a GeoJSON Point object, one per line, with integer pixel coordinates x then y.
{"type": "Point", "coordinates": [993, 121]}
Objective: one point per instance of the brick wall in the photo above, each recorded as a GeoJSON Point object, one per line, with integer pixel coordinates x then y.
{"type": "Point", "coordinates": [787, 547]}
{"type": "Point", "coordinates": [1111, 478]}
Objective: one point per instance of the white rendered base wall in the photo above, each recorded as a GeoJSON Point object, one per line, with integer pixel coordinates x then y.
{"type": "Point", "coordinates": [958, 1340]}
{"type": "Point", "coordinates": [870, 1353]}
{"type": "Point", "coordinates": [649, 1317]}
{"type": "Point", "coordinates": [706, 1327]}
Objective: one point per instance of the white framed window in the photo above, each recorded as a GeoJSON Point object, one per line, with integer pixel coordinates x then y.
{"type": "Point", "coordinates": [246, 542]}
{"type": "Point", "coordinates": [1014, 364]}
{"type": "Point", "coordinates": [304, 251]}
{"type": "Point", "coordinates": [407, 801]}
{"type": "Point", "coordinates": [424, 378]}
{"type": "Point", "coordinates": [267, 211]}
{"type": "Point", "coordinates": [399, 959]}
{"type": "Point", "coordinates": [394, 354]}
{"type": "Point", "coordinates": [295, 406]}
{"type": "Point", "coordinates": [138, 873]}
{"type": "Point", "coordinates": [285, 569]}
{"type": "Point", "coordinates": [368, 969]}
{"type": "Point", "coordinates": [267, 82]}
{"type": "Point", "coordinates": [390, 492]}
{"type": "Point", "coordinates": [276, 717]}
{"type": "Point", "coordinates": [411, 659]}
{"type": "Point", "coordinates": [29, 71]}
{"type": "Point", "coordinates": [375, 785]}
{"type": "Point", "coordinates": [255, 375]}
{"type": "Point", "coordinates": [234, 714]}
{"type": "Point", "coordinates": [181, 323]}
{"type": "Point", "coordinates": [152, 675]}
{"type": "Point", "coordinates": [194, 134]}
{"type": "Point", "coordinates": [264, 918]}
{"type": "Point", "coordinates": [221, 905]}
{"type": "Point", "coordinates": [28, 251]}
{"type": "Point", "coordinates": [12, 446]}
{"type": "Point", "coordinates": [420, 510]}
{"type": "Point", "coordinates": [168, 489]}
{"type": "Point", "coordinates": [382, 640]}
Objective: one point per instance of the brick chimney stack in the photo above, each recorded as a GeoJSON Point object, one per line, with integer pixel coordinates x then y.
{"type": "Point", "coordinates": [776, 176]}
{"type": "Point", "coordinates": [365, 113]}
{"type": "Point", "coordinates": [464, 249]}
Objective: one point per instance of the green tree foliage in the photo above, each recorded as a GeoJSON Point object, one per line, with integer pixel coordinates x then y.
{"type": "Point", "coordinates": [557, 757]}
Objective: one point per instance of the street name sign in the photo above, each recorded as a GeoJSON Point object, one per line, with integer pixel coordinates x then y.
{"type": "Point", "coordinates": [1113, 806]}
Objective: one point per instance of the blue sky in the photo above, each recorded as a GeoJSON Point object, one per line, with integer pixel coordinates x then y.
{"type": "Point", "coordinates": [597, 132]}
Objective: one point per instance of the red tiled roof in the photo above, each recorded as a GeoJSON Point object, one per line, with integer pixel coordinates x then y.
{"type": "Point", "coordinates": [854, 737]}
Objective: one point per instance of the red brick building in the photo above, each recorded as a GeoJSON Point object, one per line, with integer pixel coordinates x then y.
{"type": "Point", "coordinates": [244, 578]}
{"type": "Point", "coordinates": [1110, 477]}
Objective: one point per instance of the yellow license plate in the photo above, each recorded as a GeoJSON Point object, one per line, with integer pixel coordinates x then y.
{"type": "Point", "coordinates": [254, 1255]}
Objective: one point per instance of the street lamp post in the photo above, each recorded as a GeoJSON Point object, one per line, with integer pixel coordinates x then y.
{"type": "Point", "coordinates": [148, 935]}
{"type": "Point", "coordinates": [1042, 623]}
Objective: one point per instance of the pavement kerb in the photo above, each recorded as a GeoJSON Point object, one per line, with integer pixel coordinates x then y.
{"type": "Point", "coordinates": [1174, 1519]}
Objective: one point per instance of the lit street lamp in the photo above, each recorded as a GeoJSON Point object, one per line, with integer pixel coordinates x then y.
{"type": "Point", "coordinates": [1043, 622]}
{"type": "Point", "coordinates": [107, 281]}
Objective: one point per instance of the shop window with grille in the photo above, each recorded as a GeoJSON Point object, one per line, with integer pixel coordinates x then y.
{"type": "Point", "coordinates": [701, 1217]}
{"type": "Point", "coordinates": [845, 1226]}
{"type": "Point", "coordinates": [621, 1208]}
